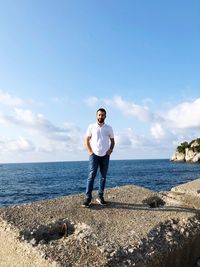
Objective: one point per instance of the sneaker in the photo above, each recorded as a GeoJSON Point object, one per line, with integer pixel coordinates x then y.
{"type": "Point", "coordinates": [86, 203]}
{"type": "Point", "coordinates": [101, 201]}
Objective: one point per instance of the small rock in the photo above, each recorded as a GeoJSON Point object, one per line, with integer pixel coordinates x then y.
{"type": "Point", "coordinates": [187, 234]}
{"type": "Point", "coordinates": [174, 226]}
{"type": "Point", "coordinates": [131, 250]}
{"type": "Point", "coordinates": [33, 241]}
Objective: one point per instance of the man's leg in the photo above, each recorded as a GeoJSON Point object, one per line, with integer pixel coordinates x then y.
{"type": "Point", "coordinates": [93, 167]}
{"type": "Point", "coordinates": [104, 163]}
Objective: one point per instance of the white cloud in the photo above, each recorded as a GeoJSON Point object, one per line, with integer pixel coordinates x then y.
{"type": "Point", "coordinates": [157, 134]}
{"type": "Point", "coordinates": [16, 145]}
{"type": "Point", "coordinates": [9, 100]}
{"type": "Point", "coordinates": [157, 131]}
{"type": "Point", "coordinates": [142, 113]}
{"type": "Point", "coordinates": [37, 122]}
{"type": "Point", "coordinates": [128, 139]}
{"type": "Point", "coordinates": [164, 125]}
{"type": "Point", "coordinates": [51, 138]}
{"type": "Point", "coordinates": [91, 101]}
{"type": "Point", "coordinates": [131, 145]}
{"type": "Point", "coordinates": [166, 128]}
{"type": "Point", "coordinates": [185, 115]}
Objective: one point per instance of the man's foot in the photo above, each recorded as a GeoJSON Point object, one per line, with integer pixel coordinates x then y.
{"type": "Point", "coordinates": [101, 201]}
{"type": "Point", "coordinates": [86, 203]}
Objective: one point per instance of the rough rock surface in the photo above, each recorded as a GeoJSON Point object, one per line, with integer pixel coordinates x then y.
{"type": "Point", "coordinates": [188, 152]}
{"type": "Point", "coordinates": [126, 232]}
{"type": "Point", "coordinates": [177, 156]}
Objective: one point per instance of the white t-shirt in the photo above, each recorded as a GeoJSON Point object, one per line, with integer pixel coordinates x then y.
{"type": "Point", "coordinates": [100, 138]}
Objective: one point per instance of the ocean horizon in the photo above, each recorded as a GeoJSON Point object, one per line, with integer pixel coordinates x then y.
{"type": "Point", "coordinates": [33, 181]}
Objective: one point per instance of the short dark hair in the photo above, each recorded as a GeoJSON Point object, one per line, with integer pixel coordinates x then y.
{"type": "Point", "coordinates": [102, 110]}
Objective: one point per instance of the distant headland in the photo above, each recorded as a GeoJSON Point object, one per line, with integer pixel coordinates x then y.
{"type": "Point", "coordinates": [187, 152]}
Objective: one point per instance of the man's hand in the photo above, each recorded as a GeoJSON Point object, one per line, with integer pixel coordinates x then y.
{"type": "Point", "coordinates": [109, 152]}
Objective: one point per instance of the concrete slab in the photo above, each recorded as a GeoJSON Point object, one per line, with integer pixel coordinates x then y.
{"type": "Point", "coordinates": [191, 188]}
{"type": "Point", "coordinates": [124, 233]}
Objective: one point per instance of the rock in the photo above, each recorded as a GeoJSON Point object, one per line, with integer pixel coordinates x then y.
{"type": "Point", "coordinates": [188, 152]}
{"type": "Point", "coordinates": [154, 201]}
{"type": "Point", "coordinates": [196, 158]}
{"type": "Point", "coordinates": [124, 233]}
{"type": "Point", "coordinates": [178, 156]}
{"type": "Point", "coordinates": [195, 143]}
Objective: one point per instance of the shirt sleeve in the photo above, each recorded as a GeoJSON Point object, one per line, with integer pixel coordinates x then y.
{"type": "Point", "coordinates": [89, 131]}
{"type": "Point", "coordinates": [111, 134]}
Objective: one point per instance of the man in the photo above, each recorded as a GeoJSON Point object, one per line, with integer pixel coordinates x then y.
{"type": "Point", "coordinates": [99, 142]}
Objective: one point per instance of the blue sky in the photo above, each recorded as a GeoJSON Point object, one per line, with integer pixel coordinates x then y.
{"type": "Point", "coordinates": [62, 60]}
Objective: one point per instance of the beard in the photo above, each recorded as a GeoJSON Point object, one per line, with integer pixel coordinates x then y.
{"type": "Point", "coordinates": [100, 120]}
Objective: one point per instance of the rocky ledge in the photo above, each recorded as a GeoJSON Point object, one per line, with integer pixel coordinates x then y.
{"type": "Point", "coordinates": [137, 227]}
{"type": "Point", "coordinates": [188, 152]}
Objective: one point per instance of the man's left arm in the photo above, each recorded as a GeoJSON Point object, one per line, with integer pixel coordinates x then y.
{"type": "Point", "coordinates": [112, 144]}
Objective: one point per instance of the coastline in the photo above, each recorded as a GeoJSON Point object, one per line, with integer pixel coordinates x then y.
{"type": "Point", "coordinates": [126, 232]}
{"type": "Point", "coordinates": [27, 183]}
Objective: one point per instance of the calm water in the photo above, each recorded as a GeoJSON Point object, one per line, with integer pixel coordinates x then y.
{"type": "Point", "coordinates": [27, 182]}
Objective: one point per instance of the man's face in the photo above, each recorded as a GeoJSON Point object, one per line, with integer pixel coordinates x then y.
{"type": "Point", "coordinates": [101, 116]}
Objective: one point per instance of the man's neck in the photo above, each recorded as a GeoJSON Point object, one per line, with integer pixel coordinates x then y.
{"type": "Point", "coordinates": [100, 124]}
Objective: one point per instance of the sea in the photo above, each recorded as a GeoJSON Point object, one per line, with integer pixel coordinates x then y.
{"type": "Point", "coordinates": [27, 182]}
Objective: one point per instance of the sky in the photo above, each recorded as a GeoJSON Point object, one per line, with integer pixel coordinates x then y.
{"type": "Point", "coordinates": [62, 60]}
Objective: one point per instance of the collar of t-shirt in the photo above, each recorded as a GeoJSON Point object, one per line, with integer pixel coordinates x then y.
{"type": "Point", "coordinates": [100, 125]}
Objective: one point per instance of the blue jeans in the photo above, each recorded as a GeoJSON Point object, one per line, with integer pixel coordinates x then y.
{"type": "Point", "coordinates": [95, 162]}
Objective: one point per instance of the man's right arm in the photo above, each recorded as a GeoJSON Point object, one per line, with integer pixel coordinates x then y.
{"type": "Point", "coordinates": [88, 146]}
